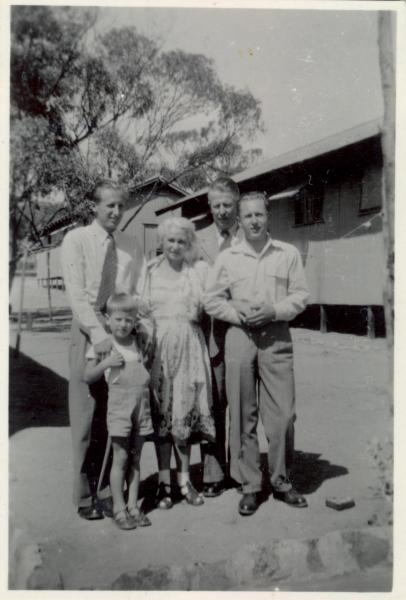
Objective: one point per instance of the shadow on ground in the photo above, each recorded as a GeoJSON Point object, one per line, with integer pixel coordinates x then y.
{"type": "Point", "coordinates": [308, 474]}
{"type": "Point", "coordinates": [37, 395]}
{"type": "Point", "coordinates": [310, 471]}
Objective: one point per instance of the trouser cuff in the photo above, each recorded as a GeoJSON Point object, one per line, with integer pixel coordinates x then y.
{"type": "Point", "coordinates": [250, 489]}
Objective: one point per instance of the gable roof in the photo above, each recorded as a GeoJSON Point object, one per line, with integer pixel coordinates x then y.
{"type": "Point", "coordinates": [333, 142]}
{"type": "Point", "coordinates": [59, 224]}
{"type": "Point", "coordinates": [69, 218]}
{"type": "Point", "coordinates": [161, 182]}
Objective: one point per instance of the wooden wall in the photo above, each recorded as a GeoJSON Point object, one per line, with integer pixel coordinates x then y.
{"type": "Point", "coordinates": [145, 224]}
{"type": "Point", "coordinates": [343, 256]}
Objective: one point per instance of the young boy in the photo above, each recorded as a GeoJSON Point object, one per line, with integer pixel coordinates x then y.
{"type": "Point", "coordinates": [128, 410]}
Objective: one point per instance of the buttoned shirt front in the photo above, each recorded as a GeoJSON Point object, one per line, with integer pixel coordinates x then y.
{"type": "Point", "coordinates": [274, 276]}
{"type": "Point", "coordinates": [82, 256]}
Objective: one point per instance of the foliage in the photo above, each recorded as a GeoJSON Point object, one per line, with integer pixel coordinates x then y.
{"type": "Point", "coordinates": [38, 168]}
{"type": "Point", "coordinates": [45, 61]}
{"type": "Point", "coordinates": [85, 104]}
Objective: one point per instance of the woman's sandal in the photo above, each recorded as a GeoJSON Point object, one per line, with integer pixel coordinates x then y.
{"type": "Point", "coordinates": [163, 498]}
{"type": "Point", "coordinates": [191, 496]}
{"type": "Point", "coordinates": [139, 517]}
{"type": "Point", "coordinates": [124, 520]}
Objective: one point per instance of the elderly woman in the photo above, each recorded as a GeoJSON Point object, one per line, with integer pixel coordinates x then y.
{"type": "Point", "coordinates": [180, 374]}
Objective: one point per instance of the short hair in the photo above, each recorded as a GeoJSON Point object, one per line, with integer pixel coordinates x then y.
{"type": "Point", "coordinates": [122, 301]}
{"type": "Point", "coordinates": [255, 196]}
{"type": "Point", "coordinates": [105, 184]}
{"type": "Point", "coordinates": [226, 185]}
{"type": "Point", "coordinates": [187, 227]}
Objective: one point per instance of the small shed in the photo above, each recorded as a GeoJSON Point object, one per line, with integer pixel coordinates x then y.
{"type": "Point", "coordinates": [145, 200]}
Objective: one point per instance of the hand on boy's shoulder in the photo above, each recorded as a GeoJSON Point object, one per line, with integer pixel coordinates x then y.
{"type": "Point", "coordinates": [103, 348]}
{"type": "Point", "coordinates": [145, 348]}
{"type": "Point", "coordinates": [144, 309]}
{"type": "Point", "coordinates": [144, 341]}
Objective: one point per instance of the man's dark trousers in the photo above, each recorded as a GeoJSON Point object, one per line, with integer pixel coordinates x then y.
{"type": "Point", "coordinates": [87, 415]}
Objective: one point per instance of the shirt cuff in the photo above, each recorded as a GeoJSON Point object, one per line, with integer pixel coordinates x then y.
{"type": "Point", "coordinates": [232, 316]}
{"type": "Point", "coordinates": [280, 312]}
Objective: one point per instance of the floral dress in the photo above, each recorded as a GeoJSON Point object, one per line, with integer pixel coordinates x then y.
{"type": "Point", "coordinates": [180, 374]}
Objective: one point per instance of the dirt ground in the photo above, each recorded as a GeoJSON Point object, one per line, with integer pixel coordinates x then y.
{"type": "Point", "coordinates": [341, 408]}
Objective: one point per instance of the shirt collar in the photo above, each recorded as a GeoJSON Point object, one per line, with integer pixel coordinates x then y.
{"type": "Point", "coordinates": [100, 232]}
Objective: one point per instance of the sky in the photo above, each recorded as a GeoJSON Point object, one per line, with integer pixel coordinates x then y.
{"type": "Point", "coordinates": [316, 72]}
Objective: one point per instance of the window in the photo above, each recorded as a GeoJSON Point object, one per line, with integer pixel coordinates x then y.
{"type": "Point", "coordinates": [309, 205]}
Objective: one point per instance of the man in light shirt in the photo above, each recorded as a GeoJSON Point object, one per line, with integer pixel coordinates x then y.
{"type": "Point", "coordinates": [97, 260]}
{"type": "Point", "coordinates": [223, 196]}
{"type": "Point", "coordinates": [258, 285]}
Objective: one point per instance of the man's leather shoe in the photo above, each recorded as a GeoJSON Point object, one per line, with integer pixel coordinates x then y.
{"type": "Point", "coordinates": [90, 513]}
{"type": "Point", "coordinates": [105, 505]}
{"type": "Point", "coordinates": [291, 497]}
{"type": "Point", "coordinates": [211, 490]}
{"type": "Point", "coordinates": [248, 505]}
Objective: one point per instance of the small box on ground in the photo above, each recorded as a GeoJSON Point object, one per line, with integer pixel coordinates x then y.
{"type": "Point", "coordinates": [340, 503]}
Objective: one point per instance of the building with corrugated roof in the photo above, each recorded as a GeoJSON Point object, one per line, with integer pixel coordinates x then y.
{"type": "Point", "coordinates": [326, 199]}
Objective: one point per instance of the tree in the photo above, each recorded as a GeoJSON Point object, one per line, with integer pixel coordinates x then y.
{"type": "Point", "coordinates": [382, 452]}
{"type": "Point", "coordinates": [38, 169]}
{"type": "Point", "coordinates": [115, 105]}
{"type": "Point", "coordinates": [45, 53]}
{"type": "Point", "coordinates": [387, 65]}
{"type": "Point", "coordinates": [191, 122]}
{"type": "Point", "coordinates": [46, 48]}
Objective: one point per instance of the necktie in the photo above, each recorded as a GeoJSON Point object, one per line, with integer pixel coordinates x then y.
{"type": "Point", "coordinates": [226, 241]}
{"type": "Point", "coordinates": [108, 276]}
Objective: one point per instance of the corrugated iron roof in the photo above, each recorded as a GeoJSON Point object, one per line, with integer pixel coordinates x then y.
{"type": "Point", "coordinates": [323, 146]}
{"type": "Point", "coordinates": [159, 179]}
{"type": "Point", "coordinates": [58, 224]}
{"type": "Point", "coordinates": [288, 192]}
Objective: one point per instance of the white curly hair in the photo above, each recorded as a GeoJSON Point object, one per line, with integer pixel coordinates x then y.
{"type": "Point", "coordinates": [186, 227]}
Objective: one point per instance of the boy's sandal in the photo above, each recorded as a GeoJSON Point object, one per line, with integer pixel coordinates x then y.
{"type": "Point", "coordinates": [191, 496]}
{"type": "Point", "coordinates": [163, 497]}
{"type": "Point", "coordinates": [139, 517]}
{"type": "Point", "coordinates": [124, 520]}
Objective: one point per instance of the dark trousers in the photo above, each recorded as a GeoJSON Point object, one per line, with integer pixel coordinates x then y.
{"type": "Point", "coordinates": [214, 456]}
{"type": "Point", "coordinates": [87, 415]}
{"type": "Point", "coordinates": [261, 358]}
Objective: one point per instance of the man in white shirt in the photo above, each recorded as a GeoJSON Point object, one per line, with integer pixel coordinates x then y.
{"type": "Point", "coordinates": [223, 196]}
{"type": "Point", "coordinates": [97, 260]}
{"type": "Point", "coordinates": [258, 285]}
